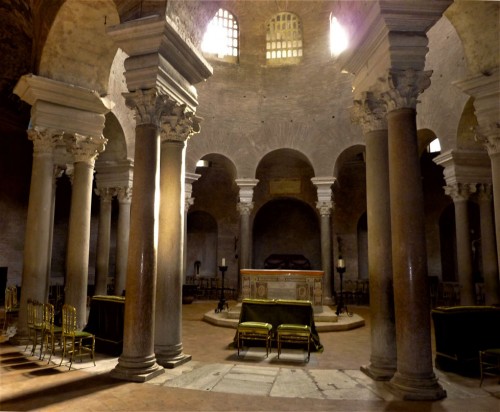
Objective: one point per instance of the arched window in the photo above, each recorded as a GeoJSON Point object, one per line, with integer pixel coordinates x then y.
{"type": "Point", "coordinates": [221, 38]}
{"type": "Point", "coordinates": [434, 146]}
{"type": "Point", "coordinates": [284, 39]}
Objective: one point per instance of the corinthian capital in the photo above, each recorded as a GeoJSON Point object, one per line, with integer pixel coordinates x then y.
{"type": "Point", "coordinates": [404, 88]}
{"type": "Point", "coordinates": [179, 124]}
{"type": "Point", "coordinates": [44, 139]}
{"type": "Point", "coordinates": [325, 207]}
{"type": "Point", "coordinates": [124, 194]}
{"type": "Point", "coordinates": [86, 148]}
{"type": "Point", "coordinates": [485, 192]}
{"type": "Point", "coordinates": [460, 191]}
{"type": "Point", "coordinates": [245, 208]}
{"type": "Point", "coordinates": [370, 113]}
{"type": "Point", "coordinates": [148, 105]}
{"type": "Point", "coordinates": [105, 193]}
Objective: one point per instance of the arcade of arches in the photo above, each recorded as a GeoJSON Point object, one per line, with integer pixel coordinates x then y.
{"type": "Point", "coordinates": [107, 110]}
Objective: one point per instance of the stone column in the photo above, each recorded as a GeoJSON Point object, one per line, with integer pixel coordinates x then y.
{"type": "Point", "coordinates": [177, 126]}
{"type": "Point", "coordinates": [137, 361]}
{"type": "Point", "coordinates": [188, 202]}
{"type": "Point", "coordinates": [85, 150]}
{"type": "Point", "coordinates": [325, 206]}
{"type": "Point", "coordinates": [103, 240]}
{"type": "Point", "coordinates": [490, 268]}
{"type": "Point", "coordinates": [460, 193]}
{"type": "Point", "coordinates": [245, 207]}
{"type": "Point", "coordinates": [371, 114]}
{"type": "Point", "coordinates": [38, 225]}
{"type": "Point", "coordinates": [415, 378]}
{"type": "Point", "coordinates": [484, 88]}
{"type": "Point", "coordinates": [124, 195]}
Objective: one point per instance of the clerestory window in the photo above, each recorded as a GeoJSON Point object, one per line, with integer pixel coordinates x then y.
{"type": "Point", "coordinates": [284, 39]}
{"type": "Point", "coordinates": [221, 38]}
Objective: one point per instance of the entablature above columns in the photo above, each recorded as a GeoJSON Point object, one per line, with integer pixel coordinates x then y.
{"type": "Point", "coordinates": [114, 173]}
{"type": "Point", "coordinates": [161, 58]}
{"type": "Point", "coordinates": [465, 167]}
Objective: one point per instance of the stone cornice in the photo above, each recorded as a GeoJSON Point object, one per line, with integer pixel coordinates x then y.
{"type": "Point", "coordinates": [466, 167]}
{"type": "Point", "coordinates": [324, 187]}
{"type": "Point", "coordinates": [246, 186]}
{"type": "Point", "coordinates": [32, 88]}
{"type": "Point", "coordinates": [160, 57]}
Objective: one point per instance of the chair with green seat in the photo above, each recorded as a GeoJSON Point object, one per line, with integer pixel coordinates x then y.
{"type": "Point", "coordinates": [75, 343]}
{"type": "Point", "coordinates": [51, 332]}
{"type": "Point", "coordinates": [254, 331]}
{"type": "Point", "coordinates": [489, 363]}
{"type": "Point", "coordinates": [296, 328]}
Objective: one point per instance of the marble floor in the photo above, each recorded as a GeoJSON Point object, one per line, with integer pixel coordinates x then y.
{"type": "Point", "coordinates": [218, 380]}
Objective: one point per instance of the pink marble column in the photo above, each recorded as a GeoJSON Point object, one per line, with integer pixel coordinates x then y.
{"type": "Point", "coordinates": [371, 114]}
{"type": "Point", "coordinates": [85, 150]}
{"type": "Point", "coordinates": [122, 238]}
{"type": "Point", "coordinates": [414, 378]}
{"type": "Point", "coordinates": [38, 225]}
{"type": "Point", "coordinates": [489, 253]}
{"type": "Point", "coordinates": [103, 240]}
{"type": "Point", "coordinates": [460, 193]}
{"type": "Point", "coordinates": [138, 360]}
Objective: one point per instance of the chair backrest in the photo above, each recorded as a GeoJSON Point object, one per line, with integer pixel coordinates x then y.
{"type": "Point", "coordinates": [38, 314]}
{"type": "Point", "coordinates": [68, 319]}
{"type": "Point", "coordinates": [48, 316]}
{"type": "Point", "coordinates": [30, 312]}
{"type": "Point", "coordinates": [10, 297]}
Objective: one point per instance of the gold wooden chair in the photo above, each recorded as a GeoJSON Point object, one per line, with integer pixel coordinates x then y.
{"type": "Point", "coordinates": [37, 327]}
{"type": "Point", "coordinates": [51, 332]}
{"type": "Point", "coordinates": [11, 305]}
{"type": "Point", "coordinates": [489, 363]}
{"type": "Point", "coordinates": [254, 331]}
{"type": "Point", "coordinates": [75, 343]}
{"type": "Point", "coordinates": [29, 320]}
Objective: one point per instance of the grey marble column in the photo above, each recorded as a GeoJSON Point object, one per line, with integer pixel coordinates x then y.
{"type": "Point", "coordinates": [188, 202]}
{"type": "Point", "coordinates": [38, 224]}
{"type": "Point", "coordinates": [371, 115]}
{"type": "Point", "coordinates": [325, 205]}
{"type": "Point", "coordinates": [138, 361]}
{"type": "Point", "coordinates": [489, 253]}
{"type": "Point", "coordinates": [460, 193]}
{"type": "Point", "coordinates": [124, 195]}
{"type": "Point", "coordinates": [168, 326]}
{"type": "Point", "coordinates": [103, 240]}
{"type": "Point", "coordinates": [85, 150]}
{"type": "Point", "coordinates": [414, 378]}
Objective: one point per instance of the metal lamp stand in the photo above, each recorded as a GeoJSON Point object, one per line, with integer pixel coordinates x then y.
{"type": "Point", "coordinates": [222, 301]}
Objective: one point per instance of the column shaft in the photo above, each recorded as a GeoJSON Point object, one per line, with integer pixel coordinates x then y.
{"type": "Point", "coordinates": [495, 173]}
{"type": "Point", "coordinates": [414, 378]}
{"type": "Point", "coordinates": [103, 242]}
{"type": "Point", "coordinates": [326, 258]}
{"type": "Point", "coordinates": [490, 267]}
{"type": "Point", "coordinates": [383, 330]}
{"type": "Point", "coordinates": [37, 238]}
{"type": "Point", "coordinates": [168, 329]}
{"type": "Point", "coordinates": [122, 240]}
{"type": "Point", "coordinates": [138, 362]}
{"type": "Point", "coordinates": [464, 253]}
{"type": "Point", "coordinates": [77, 264]}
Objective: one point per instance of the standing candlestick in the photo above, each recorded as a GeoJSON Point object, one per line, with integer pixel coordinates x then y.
{"type": "Point", "coordinates": [222, 301]}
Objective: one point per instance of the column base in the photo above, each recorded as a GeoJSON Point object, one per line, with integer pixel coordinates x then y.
{"type": "Point", "coordinates": [327, 301]}
{"type": "Point", "coordinates": [416, 389]}
{"type": "Point", "coordinates": [378, 373]}
{"type": "Point", "coordinates": [136, 369]}
{"type": "Point", "coordinates": [172, 363]}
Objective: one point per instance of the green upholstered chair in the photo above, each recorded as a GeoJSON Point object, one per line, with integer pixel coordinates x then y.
{"type": "Point", "coordinates": [75, 343]}
{"type": "Point", "coordinates": [489, 363]}
{"type": "Point", "coordinates": [51, 332]}
{"type": "Point", "coordinates": [254, 331]}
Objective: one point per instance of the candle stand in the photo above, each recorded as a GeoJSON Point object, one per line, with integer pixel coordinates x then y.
{"type": "Point", "coordinates": [222, 301]}
{"type": "Point", "coordinates": [341, 307]}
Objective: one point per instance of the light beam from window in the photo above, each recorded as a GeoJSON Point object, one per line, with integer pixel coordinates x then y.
{"type": "Point", "coordinates": [338, 37]}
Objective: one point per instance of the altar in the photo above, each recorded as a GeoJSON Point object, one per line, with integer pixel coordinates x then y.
{"type": "Point", "coordinates": [283, 284]}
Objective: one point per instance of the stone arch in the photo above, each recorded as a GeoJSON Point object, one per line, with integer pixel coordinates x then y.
{"type": "Point", "coordinates": [286, 226]}
{"type": "Point", "coordinates": [77, 49]}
